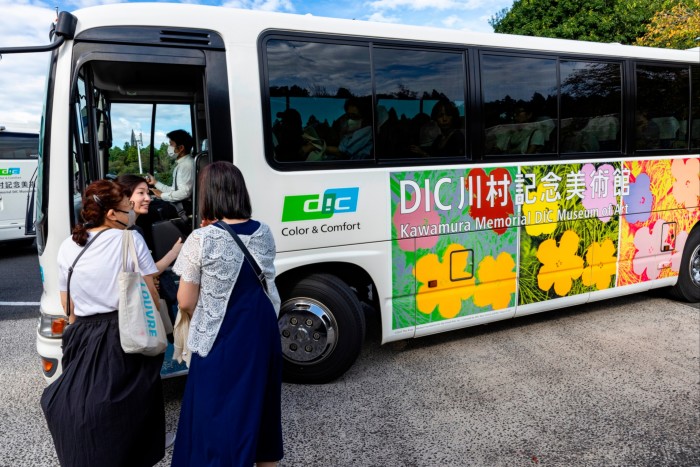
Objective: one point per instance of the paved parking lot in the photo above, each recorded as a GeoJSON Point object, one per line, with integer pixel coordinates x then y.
{"type": "Point", "coordinates": [609, 383]}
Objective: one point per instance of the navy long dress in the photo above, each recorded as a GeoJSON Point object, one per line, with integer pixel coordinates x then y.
{"type": "Point", "coordinates": [230, 413]}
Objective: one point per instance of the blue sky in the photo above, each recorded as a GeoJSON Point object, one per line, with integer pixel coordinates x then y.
{"type": "Point", "coordinates": [26, 22]}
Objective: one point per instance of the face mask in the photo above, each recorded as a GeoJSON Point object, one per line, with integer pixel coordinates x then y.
{"type": "Point", "coordinates": [353, 124]}
{"type": "Point", "coordinates": [171, 151]}
{"type": "Point", "coordinates": [131, 216]}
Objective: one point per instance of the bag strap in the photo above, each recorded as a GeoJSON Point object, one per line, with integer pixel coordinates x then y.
{"type": "Point", "coordinates": [128, 249]}
{"type": "Point", "coordinates": [70, 269]}
{"type": "Point", "coordinates": [246, 253]}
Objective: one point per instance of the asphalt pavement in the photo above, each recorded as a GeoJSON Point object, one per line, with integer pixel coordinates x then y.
{"type": "Point", "coordinates": [608, 383]}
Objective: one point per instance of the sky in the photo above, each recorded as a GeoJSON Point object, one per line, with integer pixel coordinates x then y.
{"type": "Point", "coordinates": [27, 22]}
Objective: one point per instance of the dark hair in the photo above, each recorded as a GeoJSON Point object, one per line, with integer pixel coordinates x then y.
{"type": "Point", "coordinates": [222, 192]}
{"type": "Point", "coordinates": [100, 197]}
{"type": "Point", "coordinates": [450, 109]}
{"type": "Point", "coordinates": [130, 182]}
{"type": "Point", "coordinates": [182, 138]}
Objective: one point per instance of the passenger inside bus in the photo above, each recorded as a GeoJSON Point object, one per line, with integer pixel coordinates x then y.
{"type": "Point", "coordinates": [648, 135]}
{"type": "Point", "coordinates": [178, 197]}
{"type": "Point", "coordinates": [355, 130]}
{"type": "Point", "coordinates": [442, 135]}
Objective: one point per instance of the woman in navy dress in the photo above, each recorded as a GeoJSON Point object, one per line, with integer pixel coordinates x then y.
{"type": "Point", "coordinates": [230, 413]}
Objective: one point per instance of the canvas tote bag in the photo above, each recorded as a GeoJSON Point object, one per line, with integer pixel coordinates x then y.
{"type": "Point", "coordinates": [141, 328]}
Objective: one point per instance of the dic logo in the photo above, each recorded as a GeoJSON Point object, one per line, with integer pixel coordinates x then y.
{"type": "Point", "coordinates": [320, 206]}
{"type": "Point", "coordinates": [10, 171]}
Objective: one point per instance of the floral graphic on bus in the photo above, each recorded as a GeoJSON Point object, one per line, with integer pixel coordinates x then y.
{"type": "Point", "coordinates": [560, 264]}
{"type": "Point", "coordinates": [473, 240]}
{"type": "Point", "coordinates": [467, 216]}
{"type": "Point", "coordinates": [600, 189]}
{"type": "Point", "coordinates": [661, 211]}
{"type": "Point", "coordinates": [584, 217]}
{"type": "Point", "coordinates": [420, 220]}
{"type": "Point", "coordinates": [686, 187]}
{"type": "Point", "coordinates": [438, 291]}
{"type": "Point", "coordinates": [496, 282]}
{"type": "Point", "coordinates": [490, 195]}
{"type": "Point", "coordinates": [601, 259]}
{"type": "Point", "coordinates": [640, 200]}
{"type": "Point", "coordinates": [541, 212]}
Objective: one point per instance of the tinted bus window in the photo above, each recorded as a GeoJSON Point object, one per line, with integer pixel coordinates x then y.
{"type": "Point", "coordinates": [661, 116]}
{"type": "Point", "coordinates": [18, 146]}
{"type": "Point", "coordinates": [591, 105]}
{"type": "Point", "coordinates": [320, 101]}
{"type": "Point", "coordinates": [420, 103]}
{"type": "Point", "coordinates": [520, 104]}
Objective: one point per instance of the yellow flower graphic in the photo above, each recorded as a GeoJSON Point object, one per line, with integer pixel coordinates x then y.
{"type": "Point", "coordinates": [542, 214]}
{"type": "Point", "coordinates": [446, 294]}
{"type": "Point", "coordinates": [496, 281]}
{"type": "Point", "coordinates": [560, 265]}
{"type": "Point", "coordinates": [601, 261]}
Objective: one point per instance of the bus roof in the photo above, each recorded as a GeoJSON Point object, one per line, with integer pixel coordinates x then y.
{"type": "Point", "coordinates": [249, 24]}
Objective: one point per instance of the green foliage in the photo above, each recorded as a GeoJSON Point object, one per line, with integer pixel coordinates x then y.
{"type": "Point", "coordinates": [125, 161]}
{"type": "Point", "coordinates": [675, 28]}
{"type": "Point", "coordinates": [620, 21]}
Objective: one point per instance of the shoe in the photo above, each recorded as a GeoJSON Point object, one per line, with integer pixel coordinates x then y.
{"type": "Point", "coordinates": [169, 440]}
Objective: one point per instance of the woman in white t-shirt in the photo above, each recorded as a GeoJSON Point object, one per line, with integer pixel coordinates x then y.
{"type": "Point", "coordinates": [106, 407]}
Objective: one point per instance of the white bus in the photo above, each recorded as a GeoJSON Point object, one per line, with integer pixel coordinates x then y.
{"type": "Point", "coordinates": [18, 170]}
{"type": "Point", "coordinates": [442, 178]}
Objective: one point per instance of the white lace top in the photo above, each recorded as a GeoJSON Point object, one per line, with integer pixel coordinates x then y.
{"type": "Point", "coordinates": [211, 258]}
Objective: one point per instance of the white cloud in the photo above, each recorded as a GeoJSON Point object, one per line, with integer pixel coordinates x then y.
{"type": "Point", "coordinates": [265, 5]}
{"type": "Point", "coordinates": [428, 4]}
{"type": "Point", "coordinates": [22, 76]}
{"type": "Point", "coordinates": [380, 18]}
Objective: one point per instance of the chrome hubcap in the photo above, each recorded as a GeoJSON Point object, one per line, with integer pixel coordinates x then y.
{"type": "Point", "coordinates": [309, 331]}
{"type": "Point", "coordinates": [694, 266]}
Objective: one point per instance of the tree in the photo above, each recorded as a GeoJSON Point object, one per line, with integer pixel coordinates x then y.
{"type": "Point", "coordinates": [589, 20]}
{"type": "Point", "coordinates": [676, 28]}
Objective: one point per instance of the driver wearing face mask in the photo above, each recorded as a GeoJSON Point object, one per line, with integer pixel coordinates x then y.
{"type": "Point", "coordinates": [179, 148]}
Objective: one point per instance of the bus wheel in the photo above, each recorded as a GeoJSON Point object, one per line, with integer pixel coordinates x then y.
{"type": "Point", "coordinates": [322, 327]}
{"type": "Point", "coordinates": [688, 286]}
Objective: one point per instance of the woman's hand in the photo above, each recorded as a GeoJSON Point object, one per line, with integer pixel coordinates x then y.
{"type": "Point", "coordinates": [177, 246]}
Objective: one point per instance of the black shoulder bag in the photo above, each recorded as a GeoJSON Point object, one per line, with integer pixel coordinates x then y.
{"type": "Point", "coordinates": [70, 269]}
{"type": "Point", "coordinates": [246, 253]}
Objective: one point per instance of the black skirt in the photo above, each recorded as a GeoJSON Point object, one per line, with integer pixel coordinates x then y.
{"type": "Point", "coordinates": [106, 408]}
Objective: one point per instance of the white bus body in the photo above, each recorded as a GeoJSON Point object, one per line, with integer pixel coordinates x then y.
{"type": "Point", "coordinates": [606, 204]}
{"type": "Point", "coordinates": [18, 166]}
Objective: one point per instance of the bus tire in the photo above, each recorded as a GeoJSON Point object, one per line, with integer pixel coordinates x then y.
{"type": "Point", "coordinates": [322, 327]}
{"type": "Point", "coordinates": [688, 286]}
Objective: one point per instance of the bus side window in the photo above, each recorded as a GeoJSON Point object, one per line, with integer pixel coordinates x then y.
{"type": "Point", "coordinates": [662, 102]}
{"type": "Point", "coordinates": [420, 103]}
{"type": "Point", "coordinates": [311, 85]}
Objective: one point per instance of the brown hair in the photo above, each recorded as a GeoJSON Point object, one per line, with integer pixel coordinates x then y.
{"type": "Point", "coordinates": [130, 182]}
{"type": "Point", "coordinates": [222, 192]}
{"type": "Point", "coordinates": [100, 197]}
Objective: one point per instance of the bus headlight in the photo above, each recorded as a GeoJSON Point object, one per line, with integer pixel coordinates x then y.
{"type": "Point", "coordinates": [52, 325]}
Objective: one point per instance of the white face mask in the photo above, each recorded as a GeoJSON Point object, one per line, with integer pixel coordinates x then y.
{"type": "Point", "coordinates": [171, 151]}
{"type": "Point", "coordinates": [353, 124]}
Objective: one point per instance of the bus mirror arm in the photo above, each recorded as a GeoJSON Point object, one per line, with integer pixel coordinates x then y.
{"type": "Point", "coordinates": [64, 29]}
